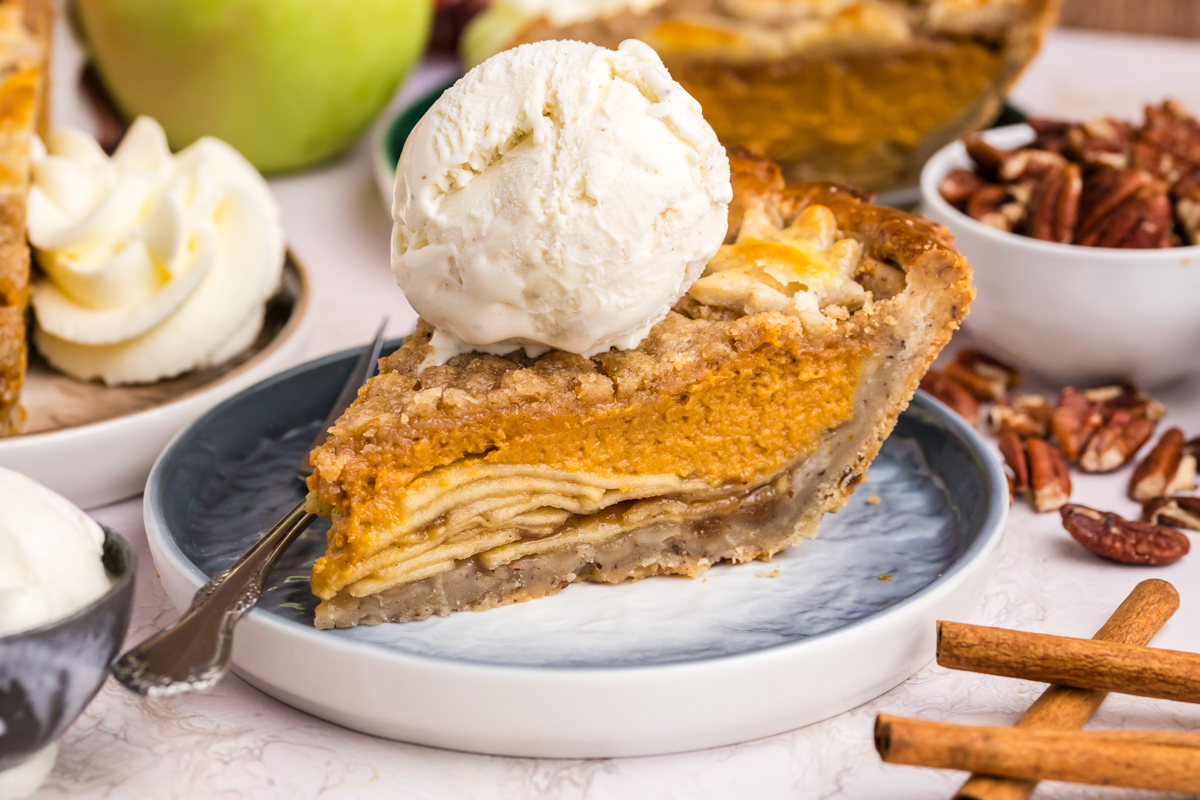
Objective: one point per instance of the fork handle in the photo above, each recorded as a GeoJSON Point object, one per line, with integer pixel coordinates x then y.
{"type": "Point", "coordinates": [193, 652]}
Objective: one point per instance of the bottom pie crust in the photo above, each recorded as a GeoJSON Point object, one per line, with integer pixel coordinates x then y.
{"type": "Point", "coordinates": [767, 519]}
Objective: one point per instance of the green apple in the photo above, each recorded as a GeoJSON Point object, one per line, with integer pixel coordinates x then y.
{"type": "Point", "coordinates": [289, 83]}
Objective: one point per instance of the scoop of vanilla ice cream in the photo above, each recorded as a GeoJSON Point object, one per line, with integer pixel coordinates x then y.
{"type": "Point", "coordinates": [50, 555]}
{"type": "Point", "coordinates": [561, 195]}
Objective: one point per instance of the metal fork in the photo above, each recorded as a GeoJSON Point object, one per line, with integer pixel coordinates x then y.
{"type": "Point", "coordinates": [193, 652]}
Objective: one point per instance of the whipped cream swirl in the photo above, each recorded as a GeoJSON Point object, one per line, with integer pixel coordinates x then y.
{"type": "Point", "coordinates": [155, 264]}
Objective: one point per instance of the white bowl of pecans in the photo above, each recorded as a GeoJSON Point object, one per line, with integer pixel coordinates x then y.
{"type": "Point", "coordinates": [1083, 239]}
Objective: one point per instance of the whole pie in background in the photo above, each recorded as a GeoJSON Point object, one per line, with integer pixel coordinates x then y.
{"type": "Point", "coordinates": [753, 409]}
{"type": "Point", "coordinates": [857, 92]}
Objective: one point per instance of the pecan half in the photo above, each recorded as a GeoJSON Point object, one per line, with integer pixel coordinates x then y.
{"type": "Point", "coordinates": [986, 377]}
{"type": "Point", "coordinates": [986, 157]}
{"type": "Point", "coordinates": [1075, 420]}
{"type": "Point", "coordinates": [1030, 162]}
{"type": "Point", "coordinates": [1115, 538]}
{"type": "Point", "coordinates": [1101, 142]}
{"type": "Point", "coordinates": [959, 185]}
{"type": "Point", "coordinates": [1050, 480]}
{"type": "Point", "coordinates": [1015, 456]}
{"type": "Point", "coordinates": [1178, 512]}
{"type": "Point", "coordinates": [1117, 441]}
{"type": "Point", "coordinates": [1051, 134]}
{"type": "Point", "coordinates": [1037, 470]}
{"type": "Point", "coordinates": [995, 207]}
{"type": "Point", "coordinates": [1023, 414]}
{"type": "Point", "coordinates": [1129, 397]}
{"type": "Point", "coordinates": [1168, 143]}
{"type": "Point", "coordinates": [952, 393]}
{"type": "Point", "coordinates": [1166, 470]}
{"type": "Point", "coordinates": [1054, 204]}
{"type": "Point", "coordinates": [1123, 208]}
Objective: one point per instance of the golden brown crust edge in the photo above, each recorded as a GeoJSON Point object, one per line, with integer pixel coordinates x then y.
{"type": "Point", "coordinates": [938, 287]}
{"type": "Point", "coordinates": [24, 93]}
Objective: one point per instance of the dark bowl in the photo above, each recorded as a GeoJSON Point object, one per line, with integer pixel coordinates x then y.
{"type": "Point", "coordinates": [49, 674]}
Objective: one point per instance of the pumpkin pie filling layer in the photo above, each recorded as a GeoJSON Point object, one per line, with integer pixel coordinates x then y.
{"type": "Point", "coordinates": [864, 113]}
{"type": "Point", "coordinates": [726, 435]}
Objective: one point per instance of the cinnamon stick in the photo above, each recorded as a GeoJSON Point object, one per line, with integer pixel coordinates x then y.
{"type": "Point", "coordinates": [1160, 761]}
{"type": "Point", "coordinates": [1087, 664]}
{"type": "Point", "coordinates": [1136, 620]}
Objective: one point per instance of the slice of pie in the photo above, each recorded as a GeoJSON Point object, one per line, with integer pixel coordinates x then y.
{"type": "Point", "coordinates": [25, 27]}
{"type": "Point", "coordinates": [748, 413]}
{"type": "Point", "coordinates": [859, 91]}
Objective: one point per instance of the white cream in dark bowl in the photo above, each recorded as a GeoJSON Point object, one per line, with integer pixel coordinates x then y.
{"type": "Point", "coordinates": [1078, 315]}
{"type": "Point", "coordinates": [66, 595]}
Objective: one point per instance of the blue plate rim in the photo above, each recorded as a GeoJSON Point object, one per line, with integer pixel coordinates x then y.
{"type": "Point", "coordinates": [989, 536]}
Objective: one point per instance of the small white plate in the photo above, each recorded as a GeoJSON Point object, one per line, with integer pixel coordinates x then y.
{"type": "Point", "coordinates": [95, 444]}
{"type": "Point", "coordinates": [639, 668]}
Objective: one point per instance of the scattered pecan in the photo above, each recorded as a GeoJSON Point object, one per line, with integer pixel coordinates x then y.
{"type": "Point", "coordinates": [1128, 397]}
{"type": "Point", "coordinates": [1178, 512]}
{"type": "Point", "coordinates": [1115, 538]}
{"type": "Point", "coordinates": [1124, 208]}
{"type": "Point", "coordinates": [1050, 480]}
{"type": "Point", "coordinates": [1023, 414]}
{"type": "Point", "coordinates": [1054, 203]}
{"type": "Point", "coordinates": [959, 185]}
{"type": "Point", "coordinates": [1117, 441]}
{"type": "Point", "coordinates": [952, 393]}
{"type": "Point", "coordinates": [1015, 456]}
{"type": "Point", "coordinates": [994, 206]}
{"type": "Point", "coordinates": [1037, 471]}
{"type": "Point", "coordinates": [1075, 420]}
{"type": "Point", "coordinates": [986, 377]}
{"type": "Point", "coordinates": [1166, 470]}
{"type": "Point", "coordinates": [1103, 428]}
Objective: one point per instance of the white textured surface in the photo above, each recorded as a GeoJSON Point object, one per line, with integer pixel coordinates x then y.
{"type": "Point", "coordinates": [237, 743]}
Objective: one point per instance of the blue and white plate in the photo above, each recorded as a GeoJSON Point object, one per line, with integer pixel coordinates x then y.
{"type": "Point", "coordinates": [638, 668]}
